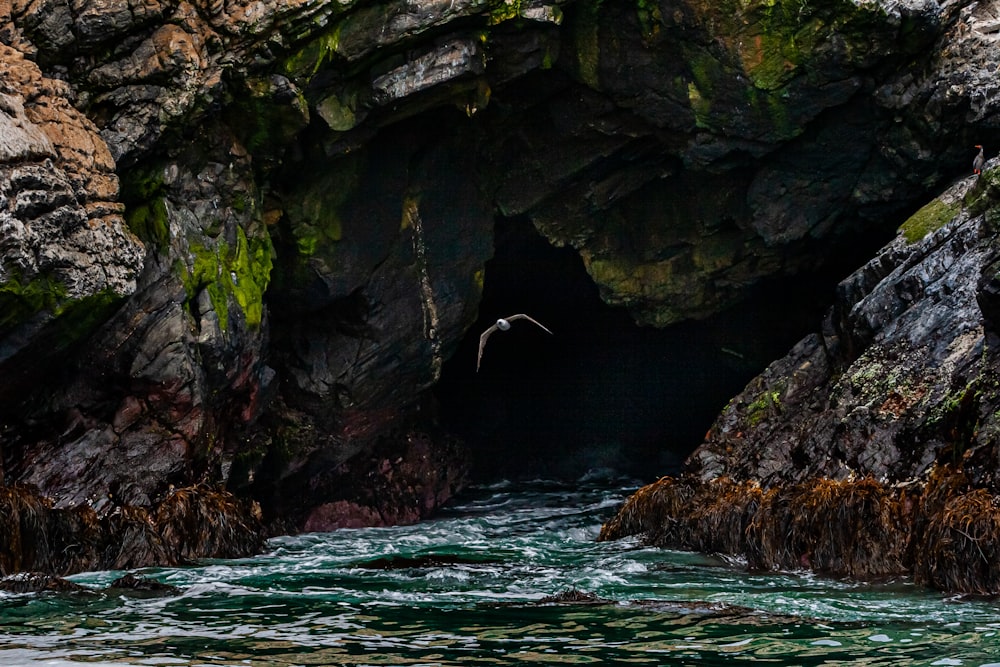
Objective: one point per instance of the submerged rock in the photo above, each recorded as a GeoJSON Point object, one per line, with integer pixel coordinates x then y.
{"type": "Point", "coordinates": [573, 596]}
{"type": "Point", "coordinates": [36, 582]}
{"type": "Point", "coordinates": [39, 582]}
{"type": "Point", "coordinates": [143, 586]}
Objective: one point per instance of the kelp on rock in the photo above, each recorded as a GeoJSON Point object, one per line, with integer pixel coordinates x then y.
{"type": "Point", "coordinates": [941, 531]}
{"type": "Point", "coordinates": [189, 523]}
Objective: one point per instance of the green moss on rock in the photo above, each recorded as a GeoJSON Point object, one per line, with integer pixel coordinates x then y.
{"type": "Point", "coordinates": [239, 273]}
{"type": "Point", "coordinates": [759, 55]}
{"type": "Point", "coordinates": [77, 318]}
{"type": "Point", "coordinates": [340, 115]}
{"type": "Point", "coordinates": [252, 266]}
{"type": "Point", "coordinates": [504, 10]}
{"type": "Point", "coordinates": [769, 402]}
{"type": "Point", "coordinates": [302, 65]}
{"type": "Point", "coordinates": [315, 216]}
{"type": "Point", "coordinates": [150, 223]}
{"type": "Point", "coordinates": [266, 114]}
{"type": "Point", "coordinates": [650, 17]}
{"type": "Point", "coordinates": [984, 196]}
{"type": "Point", "coordinates": [142, 184]}
{"type": "Point", "coordinates": [928, 219]}
{"type": "Point", "coordinates": [587, 33]}
{"type": "Point", "coordinates": [146, 209]}
{"type": "Point", "coordinates": [20, 299]}
{"type": "Point", "coordinates": [71, 319]}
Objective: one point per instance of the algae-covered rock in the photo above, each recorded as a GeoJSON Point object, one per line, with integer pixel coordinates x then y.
{"type": "Point", "coordinates": [870, 449]}
{"type": "Point", "coordinates": [177, 367]}
{"type": "Point", "coordinates": [190, 523]}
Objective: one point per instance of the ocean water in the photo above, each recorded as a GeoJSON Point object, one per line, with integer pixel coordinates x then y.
{"type": "Point", "coordinates": [474, 587]}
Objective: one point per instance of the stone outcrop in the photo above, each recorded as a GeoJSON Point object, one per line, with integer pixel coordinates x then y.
{"type": "Point", "coordinates": [66, 256]}
{"type": "Point", "coordinates": [903, 373]}
{"type": "Point", "coordinates": [871, 448]}
{"type": "Point", "coordinates": [240, 239]}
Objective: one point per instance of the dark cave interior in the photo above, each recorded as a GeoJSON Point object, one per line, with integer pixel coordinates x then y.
{"type": "Point", "coordinates": [603, 394]}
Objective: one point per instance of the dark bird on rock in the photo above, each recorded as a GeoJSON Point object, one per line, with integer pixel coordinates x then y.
{"type": "Point", "coordinates": [503, 324]}
{"type": "Point", "coordinates": [977, 162]}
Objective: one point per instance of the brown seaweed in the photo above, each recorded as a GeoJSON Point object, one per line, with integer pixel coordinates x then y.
{"type": "Point", "coordinates": [191, 523]}
{"type": "Point", "coordinates": [837, 527]}
{"type": "Point", "coordinates": [77, 539]}
{"type": "Point", "coordinates": [939, 530]}
{"type": "Point", "coordinates": [24, 543]}
{"type": "Point", "coordinates": [652, 510]}
{"type": "Point", "coordinates": [960, 547]}
{"type": "Point", "coordinates": [720, 516]}
{"type": "Point", "coordinates": [196, 522]}
{"type": "Point", "coordinates": [133, 541]}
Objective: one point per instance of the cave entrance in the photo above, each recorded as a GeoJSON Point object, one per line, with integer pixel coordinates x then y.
{"type": "Point", "coordinates": [602, 393]}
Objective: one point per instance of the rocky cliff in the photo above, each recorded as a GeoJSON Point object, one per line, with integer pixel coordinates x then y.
{"type": "Point", "coordinates": [870, 449]}
{"type": "Point", "coordinates": [901, 376]}
{"type": "Point", "coordinates": [240, 239]}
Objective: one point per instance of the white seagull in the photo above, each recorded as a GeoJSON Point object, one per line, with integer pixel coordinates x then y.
{"type": "Point", "coordinates": [503, 324]}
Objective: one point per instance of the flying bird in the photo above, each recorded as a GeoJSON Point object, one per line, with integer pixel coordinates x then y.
{"type": "Point", "coordinates": [503, 324]}
{"type": "Point", "coordinates": [977, 162]}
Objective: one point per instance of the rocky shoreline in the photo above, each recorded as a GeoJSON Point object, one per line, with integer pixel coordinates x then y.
{"type": "Point", "coordinates": [239, 241]}
{"type": "Point", "coordinates": [871, 449]}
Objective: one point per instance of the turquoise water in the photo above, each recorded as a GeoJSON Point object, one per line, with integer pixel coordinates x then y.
{"type": "Point", "coordinates": [469, 588]}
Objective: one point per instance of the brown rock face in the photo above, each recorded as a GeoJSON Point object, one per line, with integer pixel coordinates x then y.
{"type": "Point", "coordinates": [62, 218]}
{"type": "Point", "coordinates": [67, 258]}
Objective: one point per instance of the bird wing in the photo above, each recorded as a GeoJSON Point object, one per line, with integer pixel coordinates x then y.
{"type": "Point", "coordinates": [522, 316]}
{"type": "Point", "coordinates": [482, 344]}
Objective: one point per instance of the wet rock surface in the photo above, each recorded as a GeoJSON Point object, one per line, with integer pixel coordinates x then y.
{"type": "Point", "coordinates": [238, 240]}
{"type": "Point", "coordinates": [36, 582]}
{"type": "Point", "coordinates": [39, 582]}
{"type": "Point", "coordinates": [142, 586]}
{"type": "Point", "coordinates": [902, 374]}
{"type": "Point", "coordinates": [404, 479]}
{"type": "Point", "coordinates": [67, 257]}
